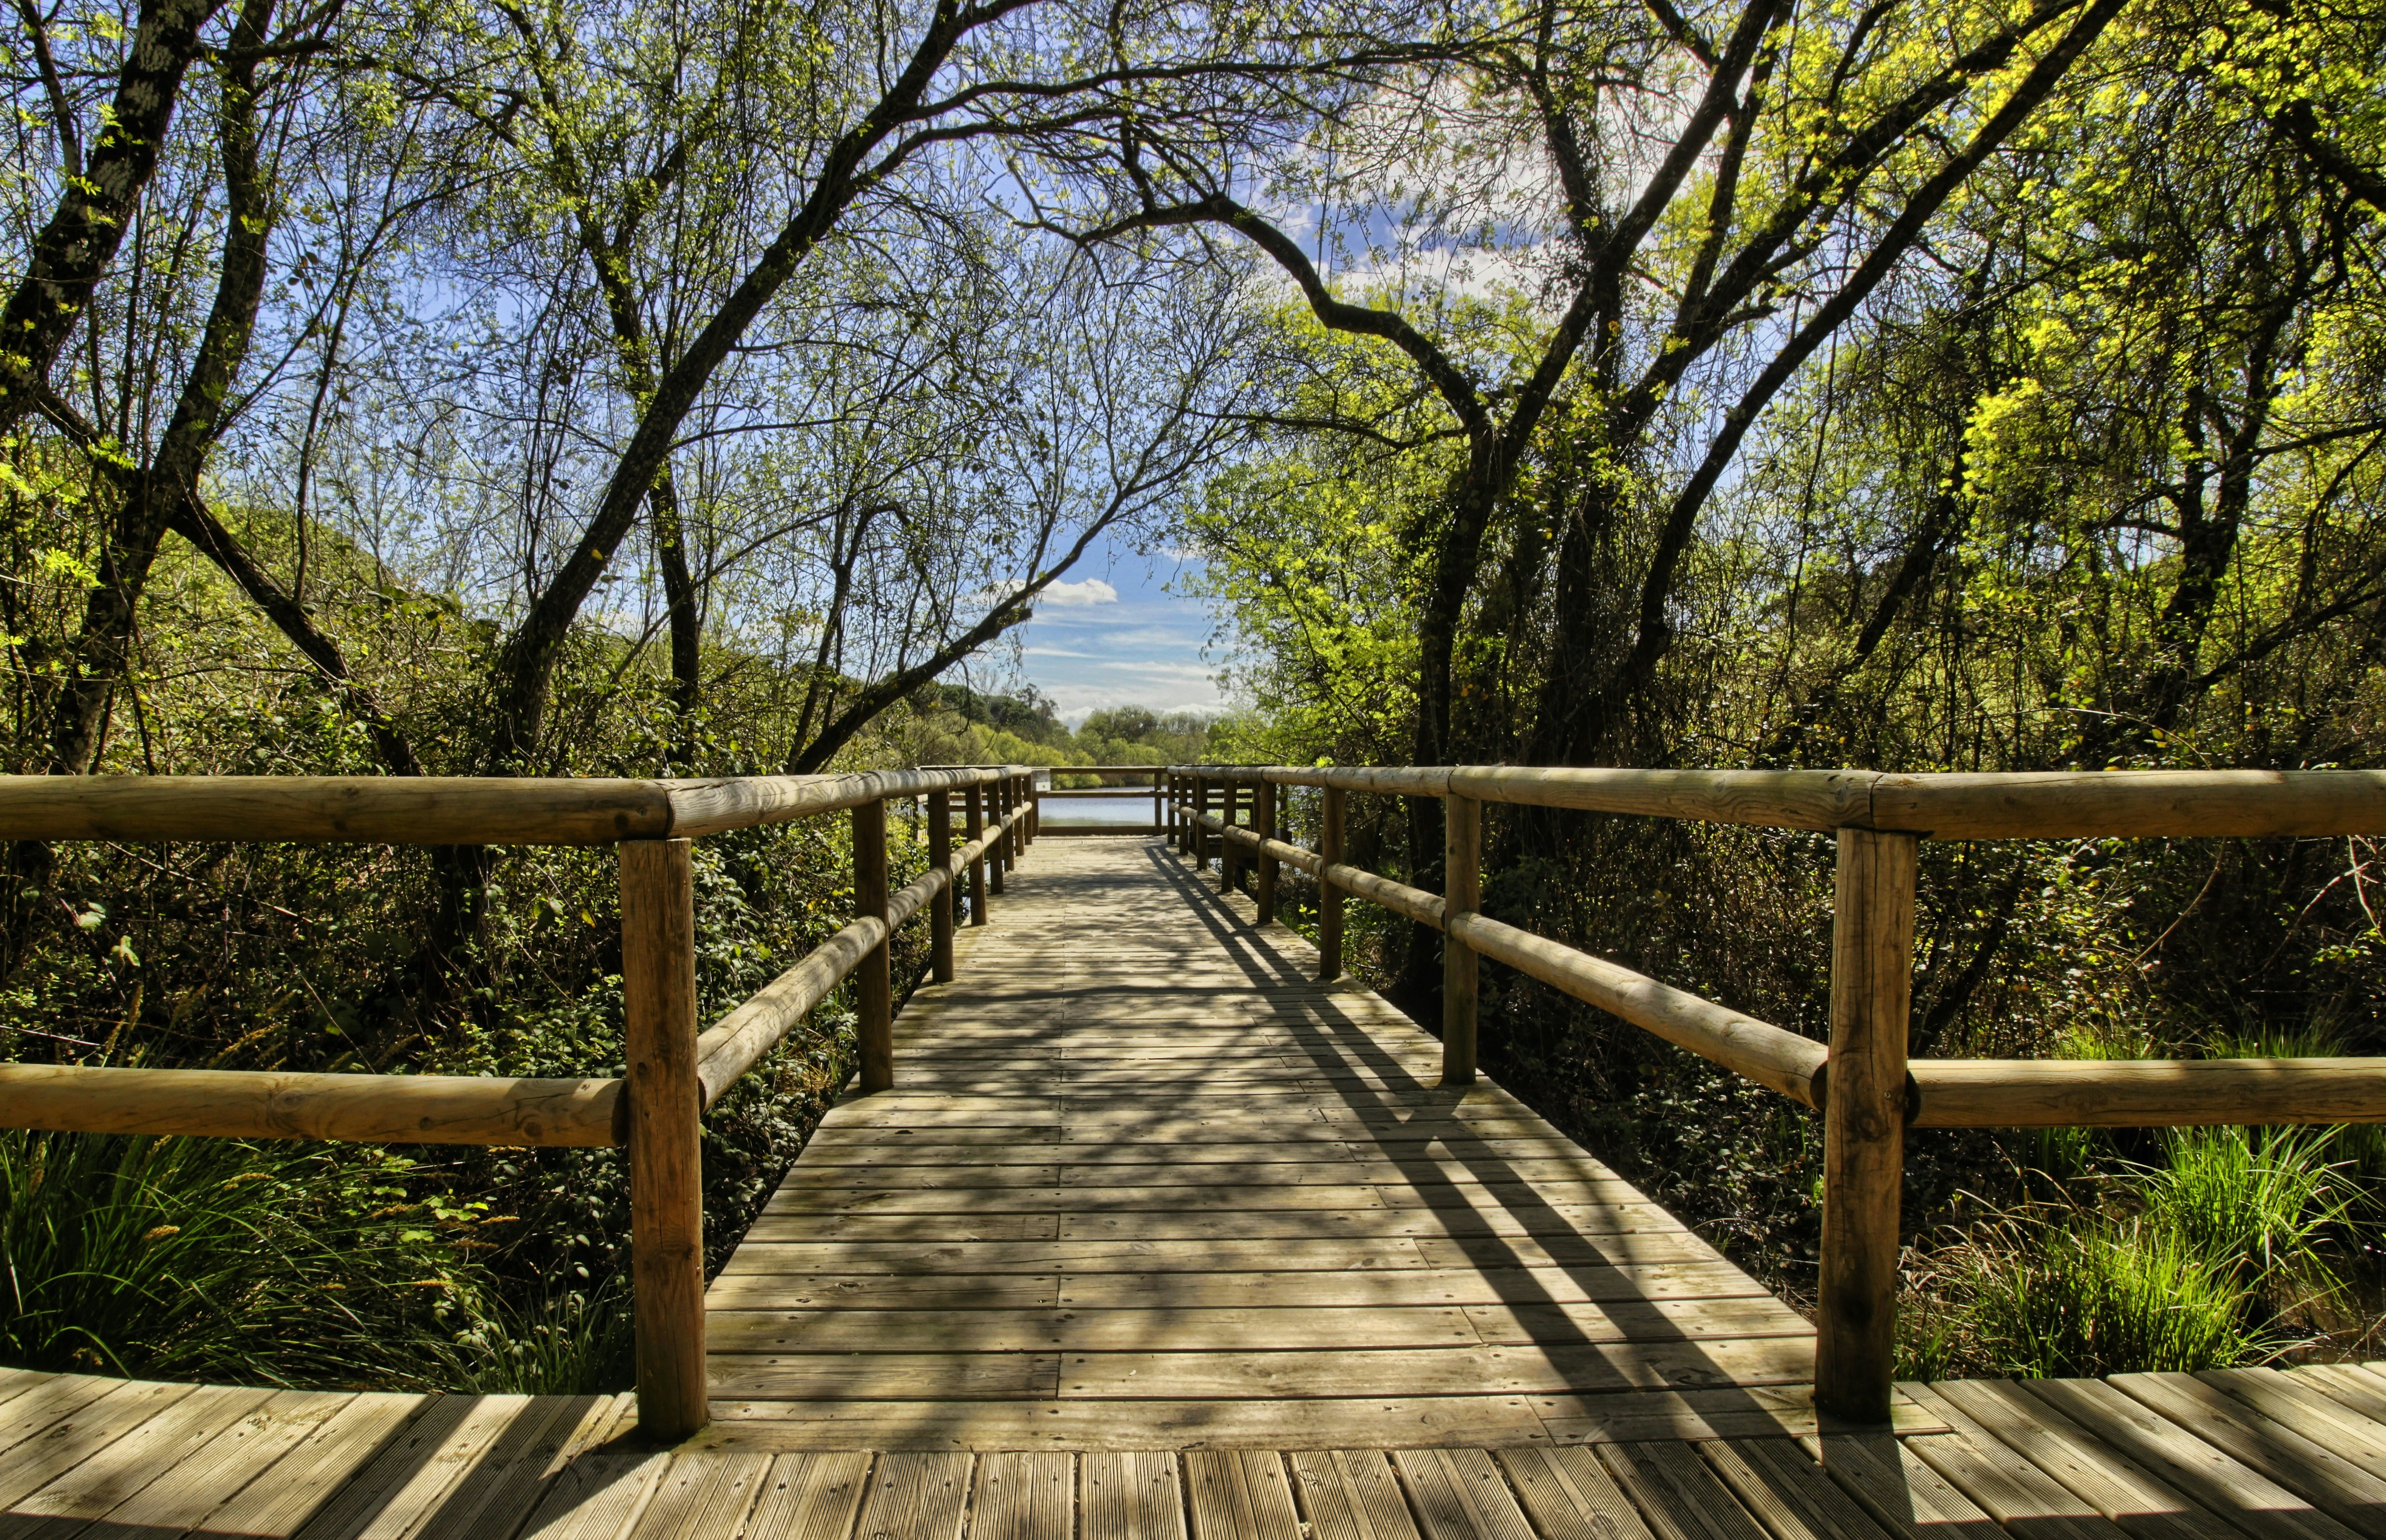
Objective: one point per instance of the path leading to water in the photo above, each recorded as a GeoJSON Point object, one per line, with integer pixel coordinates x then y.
{"type": "Point", "coordinates": [1142, 1182]}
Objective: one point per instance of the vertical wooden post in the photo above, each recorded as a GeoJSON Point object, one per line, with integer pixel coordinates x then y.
{"type": "Point", "coordinates": [1230, 855]}
{"type": "Point", "coordinates": [1263, 825]}
{"type": "Point", "coordinates": [1329, 897]}
{"type": "Point", "coordinates": [1010, 825]}
{"type": "Point", "coordinates": [1159, 825]}
{"type": "Point", "coordinates": [873, 990]}
{"type": "Point", "coordinates": [1462, 892]}
{"type": "Point", "coordinates": [997, 793]}
{"type": "Point", "coordinates": [972, 830]}
{"type": "Point", "coordinates": [1864, 1123]}
{"type": "Point", "coordinates": [666, 1136]}
{"type": "Point", "coordinates": [1200, 833]}
{"type": "Point", "coordinates": [940, 913]}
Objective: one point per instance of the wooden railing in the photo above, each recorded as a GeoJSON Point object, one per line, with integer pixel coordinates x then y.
{"type": "Point", "coordinates": [674, 1072]}
{"type": "Point", "coordinates": [1869, 1093]}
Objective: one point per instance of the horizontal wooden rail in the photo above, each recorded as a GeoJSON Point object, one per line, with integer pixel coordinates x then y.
{"type": "Point", "coordinates": [434, 809]}
{"type": "Point", "coordinates": [1766, 1054]}
{"type": "Point", "coordinates": [2007, 1092]}
{"type": "Point", "coordinates": [738, 1041]}
{"type": "Point", "coordinates": [1943, 1093]}
{"type": "Point", "coordinates": [711, 807]}
{"type": "Point", "coordinates": [373, 1109]}
{"type": "Point", "coordinates": [2047, 805]}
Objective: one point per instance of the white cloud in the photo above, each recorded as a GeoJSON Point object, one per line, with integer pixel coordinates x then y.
{"type": "Point", "coordinates": [1079, 595]}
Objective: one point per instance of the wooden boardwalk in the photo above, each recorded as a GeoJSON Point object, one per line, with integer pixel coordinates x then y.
{"type": "Point", "coordinates": [1156, 1239]}
{"type": "Point", "coordinates": [1143, 1182]}
{"type": "Point", "coordinates": [2240, 1455]}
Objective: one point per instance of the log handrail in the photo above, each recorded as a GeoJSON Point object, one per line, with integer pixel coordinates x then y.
{"type": "Point", "coordinates": [437, 810]}
{"type": "Point", "coordinates": [1879, 820]}
{"type": "Point", "coordinates": [2031, 805]}
{"type": "Point", "coordinates": [675, 1072]}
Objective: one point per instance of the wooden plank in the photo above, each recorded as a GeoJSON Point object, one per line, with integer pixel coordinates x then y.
{"type": "Point", "coordinates": [1078, 1257]}
{"type": "Point", "coordinates": [1262, 1330]}
{"type": "Point", "coordinates": [69, 1442]}
{"type": "Point", "coordinates": [701, 1496]}
{"type": "Point", "coordinates": [748, 1291]}
{"type": "Point", "coordinates": [770, 1230]}
{"type": "Point", "coordinates": [1679, 1497]}
{"type": "Point", "coordinates": [1630, 1248]}
{"type": "Point", "coordinates": [304, 1479]}
{"type": "Point", "coordinates": [2349, 1385]}
{"type": "Point", "coordinates": [1559, 1221]}
{"type": "Point", "coordinates": [883, 1376]}
{"type": "Point", "coordinates": [504, 1484]}
{"type": "Point", "coordinates": [915, 1496]}
{"type": "Point", "coordinates": [191, 1494]}
{"type": "Point", "coordinates": [1460, 1495]}
{"type": "Point", "coordinates": [2338, 1487]}
{"type": "Point", "coordinates": [1661, 1284]}
{"type": "Point", "coordinates": [1131, 1496]}
{"type": "Point", "coordinates": [1379, 1421]}
{"type": "Point", "coordinates": [1570, 1495]}
{"type": "Point", "coordinates": [2027, 1502]}
{"type": "Point", "coordinates": [403, 1485]}
{"type": "Point", "coordinates": [2226, 1486]}
{"type": "Point", "coordinates": [811, 1496]}
{"type": "Point", "coordinates": [43, 1406]}
{"type": "Point", "coordinates": [2298, 1403]}
{"type": "Point", "coordinates": [1024, 1495]}
{"type": "Point", "coordinates": [2099, 1476]}
{"type": "Point", "coordinates": [1438, 1371]}
{"type": "Point", "coordinates": [1788, 1492]}
{"type": "Point", "coordinates": [1240, 1495]}
{"type": "Point", "coordinates": [1903, 1495]}
{"type": "Point", "coordinates": [108, 1477]}
{"type": "Point", "coordinates": [596, 1497]}
{"type": "Point", "coordinates": [1352, 1495]}
{"type": "Point", "coordinates": [1743, 1411]}
{"type": "Point", "coordinates": [1638, 1320]}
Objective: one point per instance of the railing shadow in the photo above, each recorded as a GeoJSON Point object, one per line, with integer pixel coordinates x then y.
{"type": "Point", "coordinates": [1410, 1100]}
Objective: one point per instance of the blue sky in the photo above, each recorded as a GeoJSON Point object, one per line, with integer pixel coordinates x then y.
{"type": "Point", "coordinates": [1113, 635]}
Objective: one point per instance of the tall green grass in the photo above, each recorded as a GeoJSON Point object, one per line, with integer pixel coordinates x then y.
{"type": "Point", "coordinates": [262, 1264]}
{"type": "Point", "coordinates": [2200, 1260]}
{"type": "Point", "coordinates": [2257, 1203]}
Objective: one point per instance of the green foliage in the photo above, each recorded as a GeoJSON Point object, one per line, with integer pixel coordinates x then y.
{"type": "Point", "coordinates": [213, 1259]}
{"type": "Point", "coordinates": [2255, 1202]}
{"type": "Point", "coordinates": [577, 1342]}
{"type": "Point", "coordinates": [2090, 1299]}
